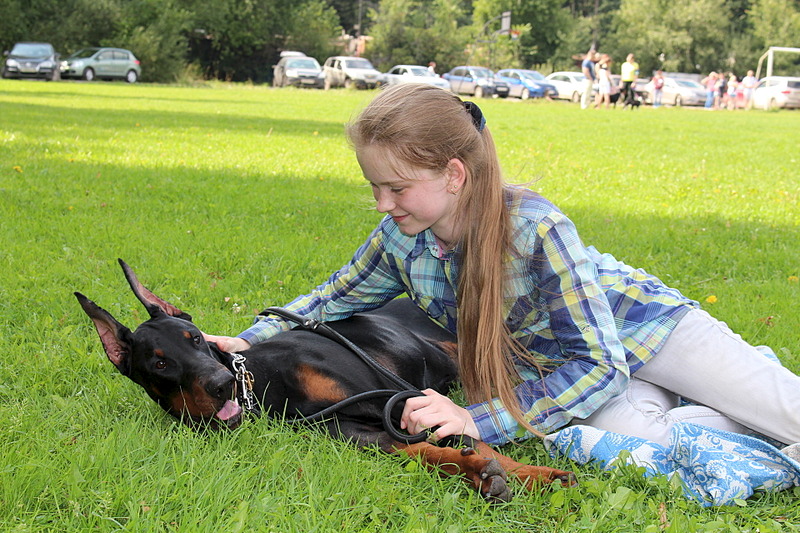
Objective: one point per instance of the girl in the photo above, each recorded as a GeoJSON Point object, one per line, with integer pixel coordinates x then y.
{"type": "Point", "coordinates": [550, 332]}
{"type": "Point", "coordinates": [603, 82]}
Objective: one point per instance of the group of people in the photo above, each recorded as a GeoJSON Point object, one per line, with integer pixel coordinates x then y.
{"type": "Point", "coordinates": [726, 91]}
{"type": "Point", "coordinates": [596, 68]}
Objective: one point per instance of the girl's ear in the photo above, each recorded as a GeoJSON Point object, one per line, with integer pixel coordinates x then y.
{"type": "Point", "coordinates": [456, 174]}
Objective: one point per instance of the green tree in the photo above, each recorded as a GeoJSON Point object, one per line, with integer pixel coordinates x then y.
{"type": "Point", "coordinates": [777, 23]}
{"type": "Point", "coordinates": [675, 35]}
{"type": "Point", "coordinates": [419, 31]}
{"type": "Point", "coordinates": [545, 22]}
{"type": "Point", "coordinates": [313, 28]}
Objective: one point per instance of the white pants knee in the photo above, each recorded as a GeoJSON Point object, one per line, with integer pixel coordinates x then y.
{"type": "Point", "coordinates": [736, 387]}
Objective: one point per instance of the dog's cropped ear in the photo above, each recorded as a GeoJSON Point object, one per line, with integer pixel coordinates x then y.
{"type": "Point", "coordinates": [152, 303]}
{"type": "Point", "coordinates": [115, 337]}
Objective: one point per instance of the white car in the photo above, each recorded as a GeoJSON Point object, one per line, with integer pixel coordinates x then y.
{"type": "Point", "coordinates": [414, 74]}
{"type": "Point", "coordinates": [678, 92]}
{"type": "Point", "coordinates": [570, 85]}
{"type": "Point", "coordinates": [347, 71]}
{"type": "Point", "coordinates": [774, 92]}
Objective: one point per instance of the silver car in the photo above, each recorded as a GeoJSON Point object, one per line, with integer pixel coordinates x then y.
{"type": "Point", "coordinates": [677, 92]}
{"type": "Point", "coordinates": [298, 71]}
{"type": "Point", "coordinates": [346, 71]}
{"type": "Point", "coordinates": [775, 92]}
{"type": "Point", "coordinates": [103, 63]}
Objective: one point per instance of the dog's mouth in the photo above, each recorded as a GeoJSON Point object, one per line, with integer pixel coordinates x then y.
{"type": "Point", "coordinates": [230, 414]}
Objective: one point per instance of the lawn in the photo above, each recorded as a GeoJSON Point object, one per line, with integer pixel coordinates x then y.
{"type": "Point", "coordinates": [228, 198]}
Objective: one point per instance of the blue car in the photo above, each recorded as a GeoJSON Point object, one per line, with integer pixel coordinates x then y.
{"type": "Point", "coordinates": [526, 84]}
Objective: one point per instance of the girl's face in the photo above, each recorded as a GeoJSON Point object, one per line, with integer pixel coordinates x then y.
{"type": "Point", "coordinates": [417, 199]}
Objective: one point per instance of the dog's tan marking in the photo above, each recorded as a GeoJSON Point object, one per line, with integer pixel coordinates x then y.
{"type": "Point", "coordinates": [318, 387]}
{"type": "Point", "coordinates": [159, 352]}
{"type": "Point", "coordinates": [187, 334]}
{"type": "Point", "coordinates": [194, 402]}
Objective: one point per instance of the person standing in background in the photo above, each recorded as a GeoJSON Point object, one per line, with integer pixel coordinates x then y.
{"type": "Point", "coordinates": [628, 74]}
{"type": "Point", "coordinates": [587, 67]}
{"type": "Point", "coordinates": [658, 88]}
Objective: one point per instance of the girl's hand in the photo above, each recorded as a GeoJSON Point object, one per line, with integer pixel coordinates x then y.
{"type": "Point", "coordinates": [227, 344]}
{"type": "Point", "coordinates": [433, 409]}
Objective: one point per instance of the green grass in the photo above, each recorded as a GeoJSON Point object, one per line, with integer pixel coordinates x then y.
{"type": "Point", "coordinates": [226, 199]}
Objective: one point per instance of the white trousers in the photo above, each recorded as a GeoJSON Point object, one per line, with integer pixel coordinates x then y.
{"type": "Point", "coordinates": [736, 388]}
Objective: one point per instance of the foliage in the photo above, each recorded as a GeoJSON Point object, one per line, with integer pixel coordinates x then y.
{"type": "Point", "coordinates": [227, 198]}
{"type": "Point", "coordinates": [311, 28]}
{"type": "Point", "coordinates": [417, 32]}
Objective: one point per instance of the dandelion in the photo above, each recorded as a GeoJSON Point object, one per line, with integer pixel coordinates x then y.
{"type": "Point", "coordinates": [17, 168]}
{"type": "Point", "coordinates": [711, 299]}
{"type": "Point", "coordinates": [793, 279]}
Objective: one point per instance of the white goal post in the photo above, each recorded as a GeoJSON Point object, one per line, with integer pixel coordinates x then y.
{"type": "Point", "coordinates": [770, 55]}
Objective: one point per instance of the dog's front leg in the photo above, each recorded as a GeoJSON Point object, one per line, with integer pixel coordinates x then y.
{"type": "Point", "coordinates": [484, 474]}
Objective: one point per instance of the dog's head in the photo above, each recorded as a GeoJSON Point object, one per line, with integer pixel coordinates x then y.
{"type": "Point", "coordinates": [168, 356]}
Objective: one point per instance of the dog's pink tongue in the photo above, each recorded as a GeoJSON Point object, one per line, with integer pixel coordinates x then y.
{"type": "Point", "coordinates": [229, 410]}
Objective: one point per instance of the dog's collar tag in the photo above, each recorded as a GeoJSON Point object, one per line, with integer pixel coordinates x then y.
{"type": "Point", "coordinates": [244, 382]}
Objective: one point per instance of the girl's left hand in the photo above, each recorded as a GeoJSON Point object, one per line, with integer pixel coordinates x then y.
{"type": "Point", "coordinates": [433, 409]}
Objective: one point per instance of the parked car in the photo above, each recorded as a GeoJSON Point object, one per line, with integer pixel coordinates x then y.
{"type": "Point", "coordinates": [568, 84]}
{"type": "Point", "coordinates": [774, 92]}
{"type": "Point", "coordinates": [476, 81]}
{"type": "Point", "coordinates": [346, 71]}
{"type": "Point", "coordinates": [298, 70]}
{"type": "Point", "coordinates": [677, 92]}
{"type": "Point", "coordinates": [526, 84]}
{"type": "Point", "coordinates": [104, 63]}
{"type": "Point", "coordinates": [32, 60]}
{"type": "Point", "coordinates": [414, 74]}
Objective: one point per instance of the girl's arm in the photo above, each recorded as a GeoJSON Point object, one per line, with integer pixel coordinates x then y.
{"type": "Point", "coordinates": [366, 282]}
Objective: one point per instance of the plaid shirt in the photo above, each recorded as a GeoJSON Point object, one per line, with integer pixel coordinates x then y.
{"type": "Point", "coordinates": [591, 320]}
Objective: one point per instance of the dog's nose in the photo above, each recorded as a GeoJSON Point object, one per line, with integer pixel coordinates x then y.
{"type": "Point", "coordinates": [220, 385]}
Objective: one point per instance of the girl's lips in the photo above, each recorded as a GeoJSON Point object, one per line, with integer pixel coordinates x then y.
{"type": "Point", "coordinates": [400, 218]}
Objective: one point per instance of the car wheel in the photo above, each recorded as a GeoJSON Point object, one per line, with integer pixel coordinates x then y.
{"type": "Point", "coordinates": [773, 105]}
{"type": "Point", "coordinates": [576, 97]}
{"type": "Point", "coordinates": [478, 92]}
{"type": "Point", "coordinates": [348, 83]}
{"type": "Point", "coordinates": [131, 76]}
{"type": "Point", "coordinates": [525, 94]}
{"type": "Point", "coordinates": [88, 74]}
{"type": "Point", "coordinates": [678, 101]}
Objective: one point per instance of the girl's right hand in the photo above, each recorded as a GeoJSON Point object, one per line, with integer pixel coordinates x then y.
{"type": "Point", "coordinates": [228, 344]}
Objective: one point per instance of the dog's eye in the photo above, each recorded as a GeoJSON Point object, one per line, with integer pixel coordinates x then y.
{"type": "Point", "coordinates": [197, 340]}
{"type": "Point", "coordinates": [161, 364]}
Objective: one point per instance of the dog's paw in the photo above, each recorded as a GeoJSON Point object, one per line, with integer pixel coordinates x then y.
{"type": "Point", "coordinates": [494, 488]}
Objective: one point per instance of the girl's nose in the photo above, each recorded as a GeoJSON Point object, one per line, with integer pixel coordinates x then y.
{"type": "Point", "coordinates": [383, 203]}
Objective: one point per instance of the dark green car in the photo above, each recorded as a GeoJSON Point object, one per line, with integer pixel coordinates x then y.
{"type": "Point", "coordinates": [102, 63]}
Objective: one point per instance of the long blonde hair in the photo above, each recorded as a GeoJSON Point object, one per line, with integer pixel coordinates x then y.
{"type": "Point", "coordinates": [426, 127]}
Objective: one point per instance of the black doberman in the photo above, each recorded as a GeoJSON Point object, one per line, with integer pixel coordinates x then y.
{"type": "Point", "coordinates": [298, 373]}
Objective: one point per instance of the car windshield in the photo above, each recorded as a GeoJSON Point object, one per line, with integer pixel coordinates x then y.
{"type": "Point", "coordinates": [532, 75]}
{"type": "Point", "coordinates": [303, 62]}
{"type": "Point", "coordinates": [482, 72]}
{"type": "Point", "coordinates": [32, 50]}
{"type": "Point", "coordinates": [421, 71]}
{"type": "Point", "coordinates": [689, 83]}
{"type": "Point", "coordinates": [358, 63]}
{"type": "Point", "coordinates": [83, 54]}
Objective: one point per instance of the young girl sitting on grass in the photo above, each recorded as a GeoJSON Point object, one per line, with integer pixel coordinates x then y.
{"type": "Point", "coordinates": [550, 332]}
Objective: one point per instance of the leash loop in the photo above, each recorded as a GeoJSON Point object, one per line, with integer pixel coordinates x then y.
{"type": "Point", "coordinates": [407, 389]}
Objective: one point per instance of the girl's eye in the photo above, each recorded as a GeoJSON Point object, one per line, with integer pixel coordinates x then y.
{"type": "Point", "coordinates": [397, 190]}
{"type": "Point", "coordinates": [161, 364]}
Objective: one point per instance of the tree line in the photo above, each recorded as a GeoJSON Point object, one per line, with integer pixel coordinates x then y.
{"type": "Point", "coordinates": [240, 40]}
